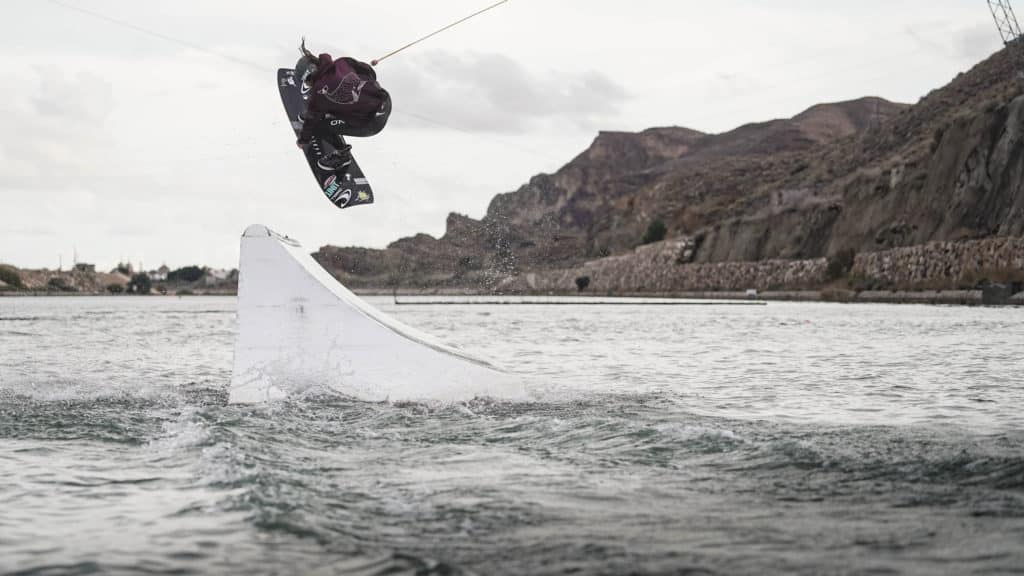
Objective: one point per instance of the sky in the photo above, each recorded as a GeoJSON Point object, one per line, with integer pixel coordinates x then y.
{"type": "Point", "coordinates": [152, 132]}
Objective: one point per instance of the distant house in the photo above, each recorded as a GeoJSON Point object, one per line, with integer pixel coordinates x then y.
{"type": "Point", "coordinates": [86, 268]}
{"type": "Point", "coordinates": [216, 277]}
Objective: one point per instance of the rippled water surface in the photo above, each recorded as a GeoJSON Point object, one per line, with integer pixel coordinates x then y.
{"type": "Point", "coordinates": [792, 438]}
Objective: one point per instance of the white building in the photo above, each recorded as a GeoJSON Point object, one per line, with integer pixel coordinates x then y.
{"type": "Point", "coordinates": [216, 277]}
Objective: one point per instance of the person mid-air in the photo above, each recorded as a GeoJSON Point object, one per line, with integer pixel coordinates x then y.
{"type": "Point", "coordinates": [345, 99]}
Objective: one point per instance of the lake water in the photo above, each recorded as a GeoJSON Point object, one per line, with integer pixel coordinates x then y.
{"type": "Point", "coordinates": [791, 438]}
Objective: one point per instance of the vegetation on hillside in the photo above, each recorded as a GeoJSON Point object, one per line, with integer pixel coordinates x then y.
{"type": "Point", "coordinates": [10, 276]}
{"type": "Point", "coordinates": [140, 284]}
{"type": "Point", "coordinates": [656, 232]}
{"type": "Point", "coordinates": [187, 274]}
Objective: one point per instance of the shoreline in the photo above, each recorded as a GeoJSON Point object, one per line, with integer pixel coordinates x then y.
{"type": "Point", "coordinates": [940, 297]}
{"type": "Point", "coordinates": [931, 297]}
{"type": "Point", "coordinates": [54, 294]}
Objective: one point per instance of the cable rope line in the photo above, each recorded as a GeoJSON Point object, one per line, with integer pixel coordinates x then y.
{"type": "Point", "coordinates": [405, 111]}
{"type": "Point", "coordinates": [436, 32]}
{"type": "Point", "coordinates": [160, 35]}
{"type": "Point", "coordinates": [268, 69]}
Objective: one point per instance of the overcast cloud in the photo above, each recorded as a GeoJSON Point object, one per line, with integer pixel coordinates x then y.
{"type": "Point", "coordinates": [152, 131]}
{"type": "Point", "coordinates": [493, 93]}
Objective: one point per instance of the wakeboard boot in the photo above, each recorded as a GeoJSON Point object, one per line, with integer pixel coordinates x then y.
{"type": "Point", "coordinates": [337, 160]}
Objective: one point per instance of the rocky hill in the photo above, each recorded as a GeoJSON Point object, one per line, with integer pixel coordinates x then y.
{"type": "Point", "coordinates": [861, 176]}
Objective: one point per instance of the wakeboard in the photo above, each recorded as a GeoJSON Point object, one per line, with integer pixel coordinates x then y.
{"type": "Point", "coordinates": [344, 190]}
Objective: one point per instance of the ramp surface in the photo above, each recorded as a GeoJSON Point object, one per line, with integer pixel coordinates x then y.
{"type": "Point", "coordinates": [299, 329]}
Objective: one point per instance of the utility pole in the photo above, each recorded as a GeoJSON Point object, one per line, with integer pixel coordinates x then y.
{"type": "Point", "coordinates": [1006, 20]}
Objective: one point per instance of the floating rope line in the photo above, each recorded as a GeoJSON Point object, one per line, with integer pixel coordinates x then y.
{"type": "Point", "coordinates": [160, 35]}
{"type": "Point", "coordinates": [436, 32]}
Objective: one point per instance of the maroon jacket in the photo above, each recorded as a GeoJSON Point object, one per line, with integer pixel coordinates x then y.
{"type": "Point", "coordinates": [346, 89]}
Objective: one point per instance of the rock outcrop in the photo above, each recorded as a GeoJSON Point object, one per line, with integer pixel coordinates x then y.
{"type": "Point", "coordinates": [867, 176]}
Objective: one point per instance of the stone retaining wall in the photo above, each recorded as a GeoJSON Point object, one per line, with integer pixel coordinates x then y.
{"type": "Point", "coordinates": [946, 264]}
{"type": "Point", "coordinates": [661, 267]}
{"type": "Point", "coordinates": [656, 268]}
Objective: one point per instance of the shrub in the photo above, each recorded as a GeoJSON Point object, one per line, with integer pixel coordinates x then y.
{"type": "Point", "coordinates": [582, 283]}
{"type": "Point", "coordinates": [187, 274]}
{"type": "Point", "coordinates": [115, 288]}
{"type": "Point", "coordinates": [656, 232]}
{"type": "Point", "coordinates": [9, 275]}
{"type": "Point", "coordinates": [937, 136]}
{"type": "Point", "coordinates": [840, 264]}
{"type": "Point", "coordinates": [140, 284]}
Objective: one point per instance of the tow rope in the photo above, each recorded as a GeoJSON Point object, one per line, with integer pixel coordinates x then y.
{"type": "Point", "coordinates": [436, 32]}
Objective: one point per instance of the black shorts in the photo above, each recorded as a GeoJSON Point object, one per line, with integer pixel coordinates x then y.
{"type": "Point", "coordinates": [335, 126]}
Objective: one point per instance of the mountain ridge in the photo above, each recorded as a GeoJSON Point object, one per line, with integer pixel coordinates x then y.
{"type": "Point", "coordinates": [862, 175]}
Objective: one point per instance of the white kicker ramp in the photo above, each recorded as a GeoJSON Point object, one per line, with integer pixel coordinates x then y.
{"type": "Point", "coordinates": [299, 329]}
